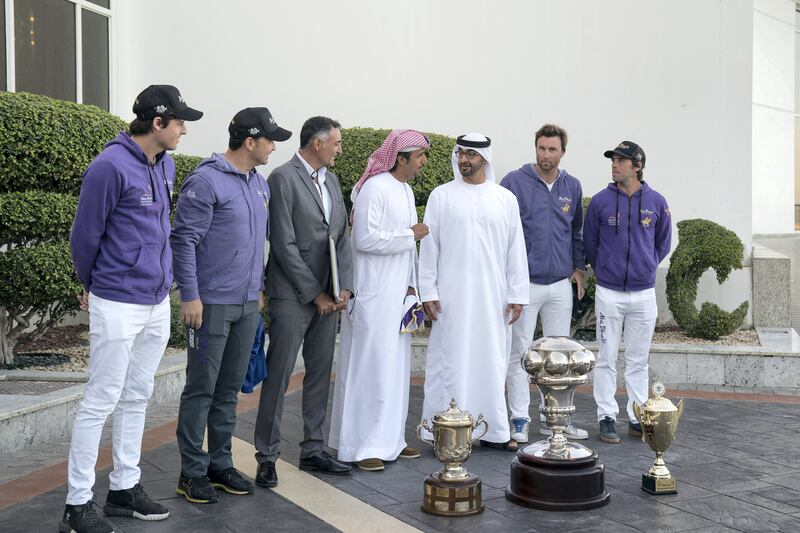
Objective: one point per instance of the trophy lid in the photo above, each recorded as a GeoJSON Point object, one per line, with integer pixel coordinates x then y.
{"type": "Point", "coordinates": [556, 344]}
{"type": "Point", "coordinates": [453, 416]}
{"type": "Point", "coordinates": [657, 402]}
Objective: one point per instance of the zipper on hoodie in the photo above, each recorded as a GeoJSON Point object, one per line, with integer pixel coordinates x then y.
{"type": "Point", "coordinates": [628, 255]}
{"type": "Point", "coordinates": [549, 194]}
{"type": "Point", "coordinates": [249, 200]}
{"type": "Point", "coordinates": [163, 233]}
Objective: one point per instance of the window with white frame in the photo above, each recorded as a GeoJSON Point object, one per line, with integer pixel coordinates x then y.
{"type": "Point", "coordinates": [58, 48]}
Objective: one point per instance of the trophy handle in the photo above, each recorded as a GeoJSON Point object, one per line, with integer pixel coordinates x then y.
{"type": "Point", "coordinates": [420, 427]}
{"type": "Point", "coordinates": [637, 412]}
{"type": "Point", "coordinates": [680, 408]}
{"type": "Point", "coordinates": [478, 422]}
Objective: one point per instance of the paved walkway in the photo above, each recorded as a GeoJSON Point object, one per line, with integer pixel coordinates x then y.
{"type": "Point", "coordinates": [735, 460]}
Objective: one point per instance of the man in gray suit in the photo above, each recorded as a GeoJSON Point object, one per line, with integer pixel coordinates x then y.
{"type": "Point", "coordinates": [305, 208]}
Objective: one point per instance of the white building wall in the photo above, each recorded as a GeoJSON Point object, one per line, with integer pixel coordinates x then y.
{"type": "Point", "coordinates": [773, 116]}
{"type": "Point", "coordinates": [673, 75]}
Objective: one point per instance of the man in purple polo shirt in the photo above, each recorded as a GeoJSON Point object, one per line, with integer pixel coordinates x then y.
{"type": "Point", "coordinates": [551, 208]}
{"type": "Point", "coordinates": [218, 244]}
{"type": "Point", "coordinates": [627, 233]}
{"type": "Point", "coordinates": [120, 249]}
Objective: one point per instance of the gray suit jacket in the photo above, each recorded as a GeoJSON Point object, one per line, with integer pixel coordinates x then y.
{"type": "Point", "coordinates": [299, 262]}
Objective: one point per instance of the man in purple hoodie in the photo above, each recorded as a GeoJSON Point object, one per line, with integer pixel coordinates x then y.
{"type": "Point", "coordinates": [551, 208]}
{"type": "Point", "coordinates": [120, 250]}
{"type": "Point", "coordinates": [218, 245]}
{"type": "Point", "coordinates": [627, 233]}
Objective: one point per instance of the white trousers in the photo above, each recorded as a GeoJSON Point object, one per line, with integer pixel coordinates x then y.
{"type": "Point", "coordinates": [634, 313]}
{"type": "Point", "coordinates": [554, 303]}
{"type": "Point", "coordinates": [126, 342]}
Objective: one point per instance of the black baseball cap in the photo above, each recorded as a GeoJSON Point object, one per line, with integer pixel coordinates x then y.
{"type": "Point", "coordinates": [163, 100]}
{"type": "Point", "coordinates": [256, 122]}
{"type": "Point", "coordinates": [628, 150]}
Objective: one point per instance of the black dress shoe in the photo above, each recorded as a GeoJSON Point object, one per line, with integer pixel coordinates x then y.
{"type": "Point", "coordinates": [324, 463]}
{"type": "Point", "coordinates": [267, 476]}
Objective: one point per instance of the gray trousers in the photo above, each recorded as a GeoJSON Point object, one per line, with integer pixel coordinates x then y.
{"type": "Point", "coordinates": [217, 358]}
{"type": "Point", "coordinates": [290, 324]}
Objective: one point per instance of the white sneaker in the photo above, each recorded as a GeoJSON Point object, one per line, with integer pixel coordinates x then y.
{"type": "Point", "coordinates": [571, 432]}
{"type": "Point", "coordinates": [519, 428]}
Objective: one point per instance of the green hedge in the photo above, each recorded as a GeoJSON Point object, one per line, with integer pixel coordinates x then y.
{"type": "Point", "coordinates": [35, 216]}
{"type": "Point", "coordinates": [37, 276]}
{"type": "Point", "coordinates": [184, 165]}
{"type": "Point", "coordinates": [177, 331]}
{"type": "Point", "coordinates": [703, 244]}
{"type": "Point", "coordinates": [47, 143]}
{"type": "Point", "coordinates": [359, 143]}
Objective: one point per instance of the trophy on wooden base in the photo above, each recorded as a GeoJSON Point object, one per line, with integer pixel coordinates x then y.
{"type": "Point", "coordinates": [555, 474]}
{"type": "Point", "coordinates": [452, 491]}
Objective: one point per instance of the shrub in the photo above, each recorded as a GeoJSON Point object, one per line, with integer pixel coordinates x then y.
{"type": "Point", "coordinates": [31, 217]}
{"type": "Point", "coordinates": [703, 244]}
{"type": "Point", "coordinates": [38, 290]}
{"type": "Point", "coordinates": [47, 143]}
{"type": "Point", "coordinates": [359, 143]}
{"type": "Point", "coordinates": [184, 165]}
{"type": "Point", "coordinates": [177, 331]}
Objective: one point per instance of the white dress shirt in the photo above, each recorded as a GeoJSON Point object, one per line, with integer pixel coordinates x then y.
{"type": "Point", "coordinates": [320, 185]}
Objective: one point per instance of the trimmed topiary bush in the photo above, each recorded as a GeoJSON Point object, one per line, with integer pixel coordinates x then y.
{"type": "Point", "coordinates": [38, 290]}
{"type": "Point", "coordinates": [32, 217]}
{"type": "Point", "coordinates": [703, 244]}
{"type": "Point", "coordinates": [39, 283]}
{"type": "Point", "coordinates": [47, 143]}
{"type": "Point", "coordinates": [359, 143]}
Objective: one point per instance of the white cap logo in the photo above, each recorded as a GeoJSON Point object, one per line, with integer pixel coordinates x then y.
{"type": "Point", "coordinates": [180, 99]}
{"type": "Point", "coordinates": [253, 131]}
{"type": "Point", "coordinates": [161, 109]}
{"type": "Point", "coordinates": [272, 121]}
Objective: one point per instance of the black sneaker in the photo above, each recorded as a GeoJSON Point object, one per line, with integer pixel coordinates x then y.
{"type": "Point", "coordinates": [608, 431]}
{"type": "Point", "coordinates": [134, 502]}
{"type": "Point", "coordinates": [634, 429]}
{"type": "Point", "coordinates": [231, 481]}
{"type": "Point", "coordinates": [84, 519]}
{"type": "Point", "coordinates": [197, 489]}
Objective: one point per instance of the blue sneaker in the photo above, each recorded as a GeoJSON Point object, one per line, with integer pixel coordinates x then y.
{"type": "Point", "coordinates": [519, 429]}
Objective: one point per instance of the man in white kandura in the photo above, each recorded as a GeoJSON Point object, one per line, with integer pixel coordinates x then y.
{"type": "Point", "coordinates": [370, 399]}
{"type": "Point", "coordinates": [473, 282]}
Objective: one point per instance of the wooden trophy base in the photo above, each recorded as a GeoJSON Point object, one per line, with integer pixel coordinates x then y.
{"type": "Point", "coordinates": [659, 486]}
{"type": "Point", "coordinates": [557, 484]}
{"type": "Point", "coordinates": [452, 498]}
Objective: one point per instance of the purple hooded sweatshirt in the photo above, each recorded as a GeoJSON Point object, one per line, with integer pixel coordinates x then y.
{"type": "Point", "coordinates": [120, 237]}
{"type": "Point", "coordinates": [551, 222]}
{"type": "Point", "coordinates": [219, 234]}
{"type": "Point", "coordinates": [626, 238]}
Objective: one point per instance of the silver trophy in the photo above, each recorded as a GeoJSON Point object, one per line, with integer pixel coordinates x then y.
{"type": "Point", "coordinates": [557, 365]}
{"type": "Point", "coordinates": [556, 474]}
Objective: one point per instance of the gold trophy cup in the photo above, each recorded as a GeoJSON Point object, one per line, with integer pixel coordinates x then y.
{"type": "Point", "coordinates": [659, 420]}
{"type": "Point", "coordinates": [452, 491]}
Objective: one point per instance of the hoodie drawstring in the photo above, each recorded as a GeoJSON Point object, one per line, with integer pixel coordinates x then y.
{"type": "Point", "coordinates": [616, 215]}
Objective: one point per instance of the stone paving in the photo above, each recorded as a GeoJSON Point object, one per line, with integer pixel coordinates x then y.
{"type": "Point", "coordinates": [735, 462]}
